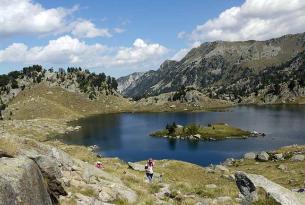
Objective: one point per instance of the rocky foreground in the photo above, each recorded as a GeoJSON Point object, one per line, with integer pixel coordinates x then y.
{"type": "Point", "coordinates": [39, 170]}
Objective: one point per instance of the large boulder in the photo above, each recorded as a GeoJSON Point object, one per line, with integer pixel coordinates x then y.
{"type": "Point", "coordinates": [298, 157]}
{"type": "Point", "coordinates": [278, 156]}
{"type": "Point", "coordinates": [250, 155]}
{"type": "Point", "coordinates": [246, 188]}
{"type": "Point", "coordinates": [22, 182]}
{"type": "Point", "coordinates": [263, 156]}
{"type": "Point", "coordinates": [248, 183]}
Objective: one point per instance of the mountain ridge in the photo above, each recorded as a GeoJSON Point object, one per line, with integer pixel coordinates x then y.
{"type": "Point", "coordinates": [216, 64]}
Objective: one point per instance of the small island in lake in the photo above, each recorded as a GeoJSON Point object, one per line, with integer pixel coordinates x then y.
{"type": "Point", "coordinates": [217, 131]}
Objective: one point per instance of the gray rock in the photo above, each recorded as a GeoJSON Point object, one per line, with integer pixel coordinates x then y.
{"type": "Point", "coordinates": [283, 167]}
{"type": "Point", "coordinates": [250, 155]}
{"type": "Point", "coordinates": [48, 166]}
{"type": "Point", "coordinates": [22, 180]}
{"type": "Point", "coordinates": [277, 192]}
{"type": "Point", "coordinates": [278, 156]}
{"type": "Point", "coordinates": [263, 156]}
{"type": "Point", "coordinates": [222, 169]}
{"type": "Point", "coordinates": [211, 186]}
{"type": "Point", "coordinates": [51, 172]}
{"type": "Point", "coordinates": [223, 200]}
{"type": "Point", "coordinates": [229, 162]}
{"type": "Point", "coordinates": [246, 188]}
{"type": "Point", "coordinates": [7, 194]}
{"type": "Point", "coordinates": [297, 157]}
{"type": "Point", "coordinates": [62, 158]}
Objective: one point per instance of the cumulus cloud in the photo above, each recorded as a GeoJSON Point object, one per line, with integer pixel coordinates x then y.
{"type": "Point", "coordinates": [255, 19]}
{"type": "Point", "coordinates": [71, 51]}
{"type": "Point", "coordinates": [86, 29]}
{"type": "Point", "coordinates": [25, 16]}
{"type": "Point", "coordinates": [140, 51]}
{"type": "Point", "coordinates": [60, 51]}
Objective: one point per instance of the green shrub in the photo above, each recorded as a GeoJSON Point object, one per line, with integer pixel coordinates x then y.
{"type": "Point", "coordinates": [192, 129]}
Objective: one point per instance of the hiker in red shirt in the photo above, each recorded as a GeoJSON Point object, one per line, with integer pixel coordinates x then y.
{"type": "Point", "coordinates": [99, 165]}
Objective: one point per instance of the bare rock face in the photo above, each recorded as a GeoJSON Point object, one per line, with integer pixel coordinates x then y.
{"type": "Point", "coordinates": [43, 174]}
{"type": "Point", "coordinates": [22, 182]}
{"type": "Point", "coordinates": [127, 81]}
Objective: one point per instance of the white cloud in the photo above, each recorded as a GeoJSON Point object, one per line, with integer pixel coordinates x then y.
{"type": "Point", "coordinates": [86, 29]}
{"type": "Point", "coordinates": [118, 30]}
{"type": "Point", "coordinates": [181, 34]}
{"type": "Point", "coordinates": [60, 51]}
{"type": "Point", "coordinates": [71, 51]}
{"type": "Point", "coordinates": [255, 19]}
{"type": "Point", "coordinates": [25, 16]}
{"type": "Point", "coordinates": [139, 52]}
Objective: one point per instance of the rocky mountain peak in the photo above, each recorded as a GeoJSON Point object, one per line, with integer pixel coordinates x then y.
{"type": "Point", "coordinates": [217, 64]}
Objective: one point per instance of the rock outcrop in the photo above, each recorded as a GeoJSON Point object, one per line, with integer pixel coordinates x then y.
{"type": "Point", "coordinates": [22, 182]}
{"type": "Point", "coordinates": [43, 174]}
{"type": "Point", "coordinates": [247, 184]}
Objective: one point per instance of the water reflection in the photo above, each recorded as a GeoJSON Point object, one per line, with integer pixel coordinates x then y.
{"type": "Point", "coordinates": [172, 144]}
{"type": "Point", "coordinates": [98, 127]}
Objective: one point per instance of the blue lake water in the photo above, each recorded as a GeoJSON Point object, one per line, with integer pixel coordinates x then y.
{"type": "Point", "coordinates": [126, 135]}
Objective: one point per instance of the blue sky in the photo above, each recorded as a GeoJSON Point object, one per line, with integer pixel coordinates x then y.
{"type": "Point", "coordinates": [122, 36]}
{"type": "Point", "coordinates": [157, 21]}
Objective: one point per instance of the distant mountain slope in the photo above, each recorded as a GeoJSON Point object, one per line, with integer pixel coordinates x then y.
{"type": "Point", "coordinates": [217, 64]}
{"type": "Point", "coordinates": [284, 83]}
{"type": "Point", "coordinates": [127, 81]}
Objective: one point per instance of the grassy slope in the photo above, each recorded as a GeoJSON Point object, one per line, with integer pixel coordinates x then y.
{"type": "Point", "coordinates": [41, 101]}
